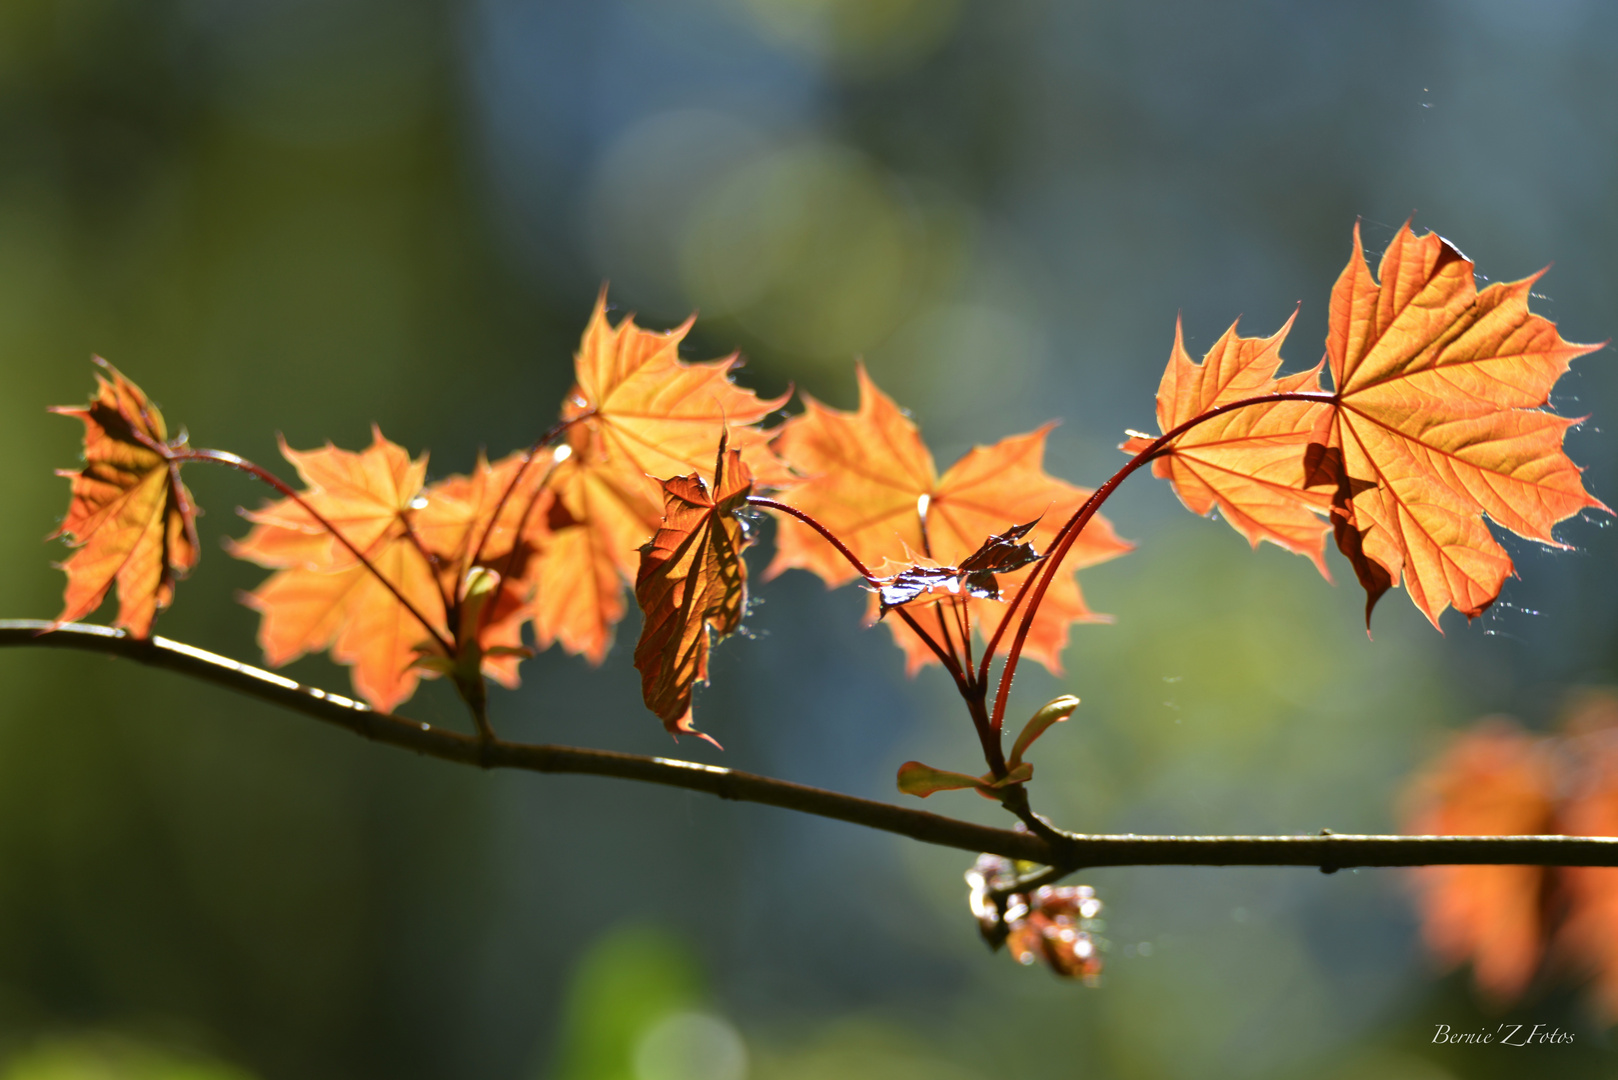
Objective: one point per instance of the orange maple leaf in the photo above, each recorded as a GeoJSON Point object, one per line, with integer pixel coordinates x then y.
{"type": "Point", "coordinates": [1435, 422]}
{"type": "Point", "coordinates": [871, 480]}
{"type": "Point", "coordinates": [692, 586]}
{"type": "Point", "coordinates": [1439, 421]}
{"type": "Point", "coordinates": [640, 413]}
{"type": "Point", "coordinates": [1248, 463]}
{"type": "Point", "coordinates": [131, 519]}
{"type": "Point", "coordinates": [1492, 781]}
{"type": "Point", "coordinates": [323, 596]}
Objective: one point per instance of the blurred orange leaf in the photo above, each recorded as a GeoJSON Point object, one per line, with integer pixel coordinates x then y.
{"type": "Point", "coordinates": [1495, 780]}
{"type": "Point", "coordinates": [1588, 937]}
{"type": "Point", "coordinates": [871, 480]}
{"type": "Point", "coordinates": [1492, 781]}
{"type": "Point", "coordinates": [692, 585]}
{"type": "Point", "coordinates": [130, 517]}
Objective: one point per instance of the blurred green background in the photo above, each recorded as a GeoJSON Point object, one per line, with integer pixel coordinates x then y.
{"type": "Point", "coordinates": [303, 216]}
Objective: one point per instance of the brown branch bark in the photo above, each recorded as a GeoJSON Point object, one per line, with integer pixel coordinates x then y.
{"type": "Point", "coordinates": [1066, 851]}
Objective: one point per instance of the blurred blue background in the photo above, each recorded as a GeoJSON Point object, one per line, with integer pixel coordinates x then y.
{"type": "Point", "coordinates": [303, 216]}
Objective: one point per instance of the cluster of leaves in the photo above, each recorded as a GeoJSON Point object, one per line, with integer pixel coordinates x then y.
{"type": "Point", "coordinates": [400, 578]}
{"type": "Point", "coordinates": [1058, 925]}
{"type": "Point", "coordinates": [1434, 421]}
{"type": "Point", "coordinates": [1512, 922]}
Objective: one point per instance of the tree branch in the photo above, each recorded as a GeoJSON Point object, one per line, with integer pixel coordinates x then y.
{"type": "Point", "coordinates": [1066, 851]}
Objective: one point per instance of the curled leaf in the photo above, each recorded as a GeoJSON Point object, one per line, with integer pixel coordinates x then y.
{"type": "Point", "coordinates": [923, 583]}
{"type": "Point", "coordinates": [131, 519]}
{"type": "Point", "coordinates": [1003, 552]}
{"type": "Point", "coordinates": [692, 586]}
{"type": "Point", "coordinates": [1053, 712]}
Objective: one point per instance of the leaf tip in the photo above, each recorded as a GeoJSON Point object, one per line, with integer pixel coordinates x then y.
{"type": "Point", "coordinates": [686, 726]}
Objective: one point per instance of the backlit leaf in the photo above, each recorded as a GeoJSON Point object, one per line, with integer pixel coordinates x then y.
{"type": "Point", "coordinates": [459, 530]}
{"type": "Point", "coordinates": [1249, 463]}
{"type": "Point", "coordinates": [323, 597]}
{"type": "Point", "coordinates": [1436, 422]}
{"type": "Point", "coordinates": [130, 517]}
{"type": "Point", "coordinates": [692, 585]}
{"type": "Point", "coordinates": [1439, 422]}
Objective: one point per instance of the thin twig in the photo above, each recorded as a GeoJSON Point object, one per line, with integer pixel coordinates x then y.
{"type": "Point", "coordinates": [450, 598]}
{"type": "Point", "coordinates": [964, 612]}
{"type": "Point", "coordinates": [551, 433]}
{"type": "Point", "coordinates": [825, 534]}
{"type": "Point", "coordinates": [945, 657]}
{"type": "Point", "coordinates": [1065, 850]}
{"type": "Point", "coordinates": [1063, 541]}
